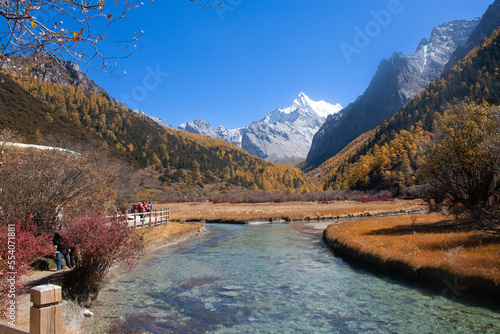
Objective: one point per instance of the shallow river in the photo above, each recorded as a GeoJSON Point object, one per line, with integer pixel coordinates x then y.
{"type": "Point", "coordinates": [275, 279]}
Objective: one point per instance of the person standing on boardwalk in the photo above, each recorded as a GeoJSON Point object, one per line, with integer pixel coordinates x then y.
{"type": "Point", "coordinates": [61, 248]}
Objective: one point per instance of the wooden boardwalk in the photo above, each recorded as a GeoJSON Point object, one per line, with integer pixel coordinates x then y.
{"type": "Point", "coordinates": [148, 219]}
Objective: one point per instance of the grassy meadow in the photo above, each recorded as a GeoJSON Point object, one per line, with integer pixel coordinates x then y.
{"type": "Point", "coordinates": [289, 211]}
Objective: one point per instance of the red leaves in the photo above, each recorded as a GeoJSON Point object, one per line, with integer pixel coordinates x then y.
{"type": "Point", "coordinates": [19, 246]}
{"type": "Point", "coordinates": [97, 243]}
{"type": "Point", "coordinates": [97, 238]}
{"type": "Point", "coordinates": [368, 199]}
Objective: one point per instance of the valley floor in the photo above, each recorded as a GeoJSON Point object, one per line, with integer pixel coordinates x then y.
{"type": "Point", "coordinates": [288, 211]}
{"type": "Point", "coordinates": [427, 247]}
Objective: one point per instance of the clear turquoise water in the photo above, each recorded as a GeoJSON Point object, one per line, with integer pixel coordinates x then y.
{"type": "Point", "coordinates": [274, 279]}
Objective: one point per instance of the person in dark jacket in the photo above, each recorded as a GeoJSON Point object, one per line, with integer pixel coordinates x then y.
{"type": "Point", "coordinates": [61, 248]}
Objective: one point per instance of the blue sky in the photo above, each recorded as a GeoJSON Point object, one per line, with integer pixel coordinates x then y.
{"type": "Point", "coordinates": [233, 65]}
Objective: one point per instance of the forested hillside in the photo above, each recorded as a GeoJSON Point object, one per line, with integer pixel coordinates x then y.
{"type": "Point", "coordinates": [39, 109]}
{"type": "Point", "coordinates": [22, 112]}
{"type": "Point", "coordinates": [390, 160]}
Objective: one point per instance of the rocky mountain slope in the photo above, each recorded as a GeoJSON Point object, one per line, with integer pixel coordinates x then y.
{"type": "Point", "coordinates": [489, 23]}
{"type": "Point", "coordinates": [283, 136]}
{"type": "Point", "coordinates": [396, 81]}
{"type": "Point", "coordinates": [391, 158]}
{"type": "Point", "coordinates": [47, 69]}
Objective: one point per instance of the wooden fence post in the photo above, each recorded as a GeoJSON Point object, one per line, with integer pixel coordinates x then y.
{"type": "Point", "coordinates": [46, 312]}
{"type": "Point", "coordinates": [6, 328]}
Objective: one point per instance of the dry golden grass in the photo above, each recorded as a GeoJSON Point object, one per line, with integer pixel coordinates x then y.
{"type": "Point", "coordinates": [432, 241]}
{"type": "Point", "coordinates": [288, 211]}
{"type": "Point", "coordinates": [171, 232]}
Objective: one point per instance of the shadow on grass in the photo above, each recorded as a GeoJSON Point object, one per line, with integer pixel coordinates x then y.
{"type": "Point", "coordinates": [472, 241]}
{"type": "Point", "coordinates": [447, 226]}
{"type": "Point", "coordinates": [442, 227]}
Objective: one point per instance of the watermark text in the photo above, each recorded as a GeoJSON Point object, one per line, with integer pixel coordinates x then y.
{"type": "Point", "coordinates": [363, 36]}
{"type": "Point", "coordinates": [227, 6]}
{"type": "Point", "coordinates": [453, 290]}
{"type": "Point", "coordinates": [10, 276]}
{"type": "Point", "coordinates": [153, 78]}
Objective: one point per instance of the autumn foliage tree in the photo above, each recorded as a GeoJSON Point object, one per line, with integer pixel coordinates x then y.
{"type": "Point", "coordinates": [52, 183]}
{"type": "Point", "coordinates": [190, 158]}
{"type": "Point", "coordinates": [462, 165]}
{"type": "Point", "coordinates": [41, 186]}
{"type": "Point", "coordinates": [390, 158]}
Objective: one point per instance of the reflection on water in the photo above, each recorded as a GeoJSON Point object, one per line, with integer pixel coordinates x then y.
{"type": "Point", "coordinates": [272, 279]}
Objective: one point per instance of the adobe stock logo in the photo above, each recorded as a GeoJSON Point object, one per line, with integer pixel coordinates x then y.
{"type": "Point", "coordinates": [454, 290]}
{"type": "Point", "coordinates": [373, 28]}
{"type": "Point", "coordinates": [150, 82]}
{"type": "Point", "coordinates": [227, 6]}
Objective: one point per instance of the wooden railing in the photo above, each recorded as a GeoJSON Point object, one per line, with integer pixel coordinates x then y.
{"type": "Point", "coordinates": [136, 219]}
{"type": "Point", "coordinates": [148, 219]}
{"type": "Point", "coordinates": [45, 314]}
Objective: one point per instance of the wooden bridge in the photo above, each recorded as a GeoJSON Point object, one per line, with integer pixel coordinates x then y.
{"type": "Point", "coordinates": [148, 219]}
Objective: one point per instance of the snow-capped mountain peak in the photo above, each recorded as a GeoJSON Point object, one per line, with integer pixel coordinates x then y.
{"type": "Point", "coordinates": [321, 108]}
{"type": "Point", "coordinates": [396, 81]}
{"type": "Point", "coordinates": [429, 59]}
{"type": "Point", "coordinates": [302, 101]}
{"type": "Point", "coordinates": [304, 106]}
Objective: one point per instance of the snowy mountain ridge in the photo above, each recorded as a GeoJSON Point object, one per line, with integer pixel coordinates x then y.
{"type": "Point", "coordinates": [203, 127]}
{"type": "Point", "coordinates": [283, 135]}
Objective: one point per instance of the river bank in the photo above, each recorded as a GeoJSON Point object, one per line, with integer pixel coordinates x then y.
{"type": "Point", "coordinates": [73, 314]}
{"type": "Point", "coordinates": [433, 248]}
{"type": "Point", "coordinates": [168, 234]}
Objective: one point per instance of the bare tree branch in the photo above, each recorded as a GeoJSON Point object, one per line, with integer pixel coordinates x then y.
{"type": "Point", "coordinates": [68, 29]}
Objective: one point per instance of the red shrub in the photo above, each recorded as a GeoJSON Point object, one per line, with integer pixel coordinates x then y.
{"type": "Point", "coordinates": [22, 246]}
{"type": "Point", "coordinates": [19, 246]}
{"type": "Point", "coordinates": [375, 199]}
{"type": "Point", "coordinates": [98, 243]}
